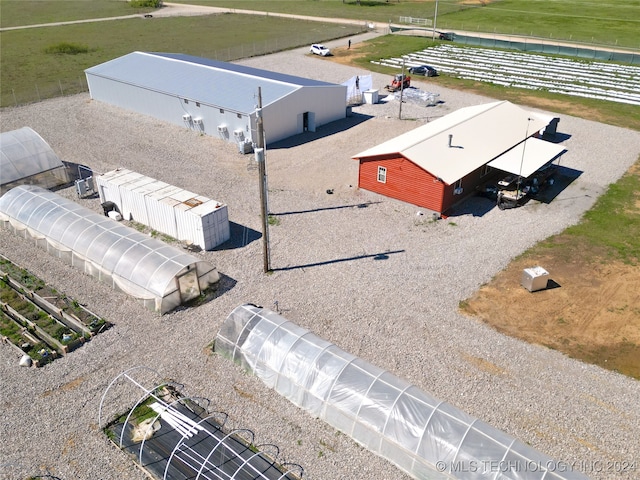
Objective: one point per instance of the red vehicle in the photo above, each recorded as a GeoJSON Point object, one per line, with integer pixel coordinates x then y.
{"type": "Point", "coordinates": [400, 81]}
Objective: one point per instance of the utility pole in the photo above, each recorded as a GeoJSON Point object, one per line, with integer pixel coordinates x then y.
{"type": "Point", "coordinates": [401, 90]}
{"type": "Point", "coordinates": [435, 18]}
{"type": "Point", "coordinates": [524, 145]}
{"type": "Point", "coordinates": [262, 173]}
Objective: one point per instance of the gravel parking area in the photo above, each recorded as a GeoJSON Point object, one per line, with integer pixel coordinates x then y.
{"type": "Point", "coordinates": [399, 313]}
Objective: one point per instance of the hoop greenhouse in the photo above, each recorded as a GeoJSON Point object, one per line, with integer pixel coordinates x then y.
{"type": "Point", "coordinates": [161, 276]}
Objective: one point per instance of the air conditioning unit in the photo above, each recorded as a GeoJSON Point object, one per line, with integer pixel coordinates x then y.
{"type": "Point", "coordinates": [458, 191]}
{"type": "Point", "coordinates": [197, 121]}
{"type": "Point", "coordinates": [186, 117]}
{"type": "Point", "coordinates": [239, 134]}
{"type": "Point", "coordinates": [222, 129]}
{"type": "Point", "coordinates": [84, 186]}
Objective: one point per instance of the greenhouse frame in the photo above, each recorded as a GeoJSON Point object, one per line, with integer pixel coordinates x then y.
{"type": "Point", "coordinates": [25, 158]}
{"type": "Point", "coordinates": [161, 276]}
{"type": "Point", "coordinates": [425, 437]}
{"type": "Point", "coordinates": [193, 441]}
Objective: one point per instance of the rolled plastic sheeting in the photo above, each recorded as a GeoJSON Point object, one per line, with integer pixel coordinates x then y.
{"type": "Point", "coordinates": [423, 436]}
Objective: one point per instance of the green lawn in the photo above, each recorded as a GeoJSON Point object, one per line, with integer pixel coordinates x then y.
{"type": "Point", "coordinates": [614, 222]}
{"type": "Point", "coordinates": [30, 74]}
{"type": "Point", "coordinates": [607, 22]}
{"type": "Point", "coordinates": [28, 12]}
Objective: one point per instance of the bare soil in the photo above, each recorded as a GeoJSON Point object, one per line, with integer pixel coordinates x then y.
{"type": "Point", "coordinates": [590, 312]}
{"type": "Point", "coordinates": [590, 309]}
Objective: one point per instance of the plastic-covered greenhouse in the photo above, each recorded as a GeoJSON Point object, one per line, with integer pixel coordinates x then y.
{"type": "Point", "coordinates": [425, 437]}
{"type": "Point", "coordinates": [162, 276]}
{"type": "Point", "coordinates": [25, 158]}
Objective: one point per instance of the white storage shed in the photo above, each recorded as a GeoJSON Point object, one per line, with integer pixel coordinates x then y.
{"type": "Point", "coordinates": [168, 209]}
{"type": "Point", "coordinates": [216, 98]}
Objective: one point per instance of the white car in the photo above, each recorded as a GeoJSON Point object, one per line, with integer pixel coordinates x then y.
{"type": "Point", "coordinates": [318, 49]}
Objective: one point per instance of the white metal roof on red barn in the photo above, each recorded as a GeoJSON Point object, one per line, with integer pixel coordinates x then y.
{"type": "Point", "coordinates": [455, 145]}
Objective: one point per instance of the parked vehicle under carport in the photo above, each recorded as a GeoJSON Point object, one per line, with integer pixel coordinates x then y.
{"type": "Point", "coordinates": [525, 188]}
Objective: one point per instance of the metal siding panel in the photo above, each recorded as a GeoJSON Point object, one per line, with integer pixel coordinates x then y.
{"type": "Point", "coordinates": [165, 216]}
{"type": "Point", "coordinates": [187, 225]}
{"type": "Point", "coordinates": [110, 188]}
{"type": "Point", "coordinates": [107, 191]}
{"type": "Point", "coordinates": [147, 91]}
{"type": "Point", "coordinates": [161, 216]}
{"type": "Point", "coordinates": [168, 209]}
{"type": "Point", "coordinates": [133, 199]}
{"type": "Point", "coordinates": [192, 77]}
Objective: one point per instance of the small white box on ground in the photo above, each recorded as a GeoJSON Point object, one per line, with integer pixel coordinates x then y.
{"type": "Point", "coordinates": [535, 278]}
{"type": "Point", "coordinates": [115, 215]}
{"type": "Point", "coordinates": [370, 96]}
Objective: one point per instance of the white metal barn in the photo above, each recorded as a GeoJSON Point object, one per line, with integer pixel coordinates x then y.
{"type": "Point", "coordinates": [216, 98]}
{"type": "Point", "coordinates": [168, 209]}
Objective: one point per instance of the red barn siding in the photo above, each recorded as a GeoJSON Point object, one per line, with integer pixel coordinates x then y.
{"type": "Point", "coordinates": [468, 184]}
{"type": "Point", "coordinates": [405, 181]}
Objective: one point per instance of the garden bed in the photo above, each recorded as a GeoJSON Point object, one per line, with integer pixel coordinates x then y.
{"type": "Point", "coordinates": [42, 322]}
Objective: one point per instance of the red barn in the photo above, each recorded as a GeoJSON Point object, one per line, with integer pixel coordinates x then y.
{"type": "Point", "coordinates": [438, 164]}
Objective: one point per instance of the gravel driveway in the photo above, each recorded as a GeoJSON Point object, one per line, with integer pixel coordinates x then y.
{"type": "Point", "coordinates": [399, 313]}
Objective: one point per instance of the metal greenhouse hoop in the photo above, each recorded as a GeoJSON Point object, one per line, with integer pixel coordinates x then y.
{"type": "Point", "coordinates": [194, 434]}
{"type": "Point", "coordinates": [167, 406]}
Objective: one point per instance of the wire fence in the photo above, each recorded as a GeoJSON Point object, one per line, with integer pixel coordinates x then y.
{"type": "Point", "coordinates": [530, 43]}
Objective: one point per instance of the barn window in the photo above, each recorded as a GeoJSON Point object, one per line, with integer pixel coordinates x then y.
{"type": "Point", "coordinates": [382, 174]}
{"type": "Point", "coordinates": [186, 101]}
{"type": "Point", "coordinates": [222, 110]}
{"type": "Point", "coordinates": [197, 104]}
{"type": "Point", "coordinates": [457, 188]}
{"type": "Point", "coordinates": [239, 115]}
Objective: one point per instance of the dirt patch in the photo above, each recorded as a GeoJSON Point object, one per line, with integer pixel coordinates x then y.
{"type": "Point", "coordinates": [72, 385]}
{"type": "Point", "coordinates": [347, 56]}
{"type": "Point", "coordinates": [572, 108]}
{"type": "Point", "coordinates": [589, 311]}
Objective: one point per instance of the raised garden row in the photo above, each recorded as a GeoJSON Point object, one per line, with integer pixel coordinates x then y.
{"type": "Point", "coordinates": [39, 321]}
{"type": "Point", "coordinates": [529, 71]}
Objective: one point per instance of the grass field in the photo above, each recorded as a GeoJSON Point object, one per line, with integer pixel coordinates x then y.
{"type": "Point", "coordinates": [608, 22]}
{"type": "Point", "coordinates": [30, 74]}
{"type": "Point", "coordinates": [21, 12]}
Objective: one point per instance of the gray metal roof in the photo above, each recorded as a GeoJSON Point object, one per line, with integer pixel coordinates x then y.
{"type": "Point", "coordinates": [233, 87]}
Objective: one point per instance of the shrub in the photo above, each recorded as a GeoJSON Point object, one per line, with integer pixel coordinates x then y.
{"type": "Point", "coordinates": [146, 3]}
{"type": "Point", "coordinates": [67, 48]}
